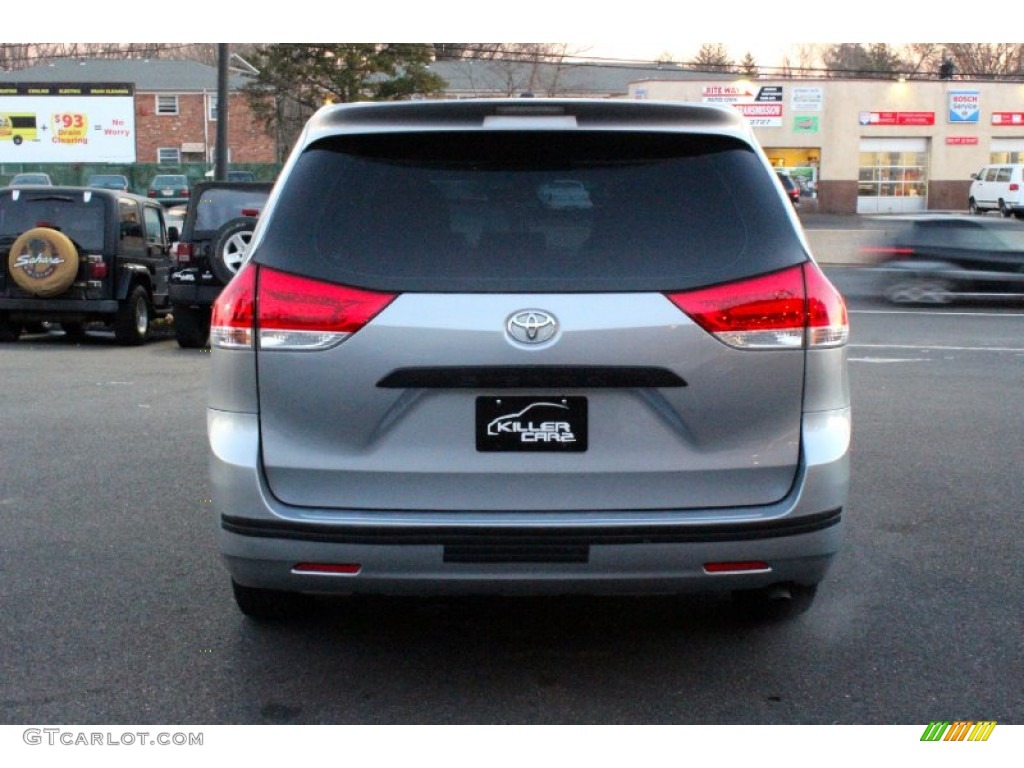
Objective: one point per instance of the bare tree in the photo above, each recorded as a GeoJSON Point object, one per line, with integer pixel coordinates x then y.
{"type": "Point", "coordinates": [986, 59]}
{"type": "Point", "coordinates": [855, 60]}
{"type": "Point", "coordinates": [712, 57]}
{"type": "Point", "coordinates": [748, 66]}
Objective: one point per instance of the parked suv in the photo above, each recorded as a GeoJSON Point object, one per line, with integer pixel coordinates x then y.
{"type": "Point", "coordinates": [998, 188]}
{"type": "Point", "coordinates": [215, 233]}
{"type": "Point", "coordinates": [74, 255]}
{"type": "Point", "coordinates": [419, 389]}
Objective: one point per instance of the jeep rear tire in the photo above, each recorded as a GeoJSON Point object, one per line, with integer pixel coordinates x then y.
{"type": "Point", "coordinates": [229, 247]}
{"type": "Point", "coordinates": [191, 326]}
{"type": "Point", "coordinates": [54, 262]}
{"type": "Point", "coordinates": [131, 325]}
{"type": "Point", "coordinates": [9, 331]}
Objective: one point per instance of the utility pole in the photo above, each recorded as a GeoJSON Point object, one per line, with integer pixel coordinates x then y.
{"type": "Point", "coordinates": [220, 168]}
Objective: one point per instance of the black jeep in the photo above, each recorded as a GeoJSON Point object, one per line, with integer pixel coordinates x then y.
{"type": "Point", "coordinates": [74, 256]}
{"type": "Point", "coordinates": [218, 225]}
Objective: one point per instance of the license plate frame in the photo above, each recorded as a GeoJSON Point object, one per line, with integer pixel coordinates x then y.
{"type": "Point", "coordinates": [532, 424]}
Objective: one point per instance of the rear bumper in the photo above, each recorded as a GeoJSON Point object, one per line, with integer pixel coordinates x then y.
{"type": "Point", "coordinates": [628, 551]}
{"type": "Point", "coordinates": [193, 287]}
{"type": "Point", "coordinates": [52, 307]}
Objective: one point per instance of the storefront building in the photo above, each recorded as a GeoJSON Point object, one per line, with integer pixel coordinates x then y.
{"type": "Point", "coordinates": [872, 146]}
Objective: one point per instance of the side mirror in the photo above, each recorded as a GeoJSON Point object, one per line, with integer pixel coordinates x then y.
{"type": "Point", "coordinates": [173, 234]}
{"type": "Point", "coordinates": [974, 175]}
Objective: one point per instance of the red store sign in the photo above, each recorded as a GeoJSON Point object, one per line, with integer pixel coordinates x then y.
{"type": "Point", "coordinates": [897, 118]}
{"type": "Point", "coordinates": [962, 140]}
{"type": "Point", "coordinates": [1008, 118]}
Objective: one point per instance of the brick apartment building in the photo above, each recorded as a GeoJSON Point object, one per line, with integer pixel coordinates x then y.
{"type": "Point", "coordinates": [175, 108]}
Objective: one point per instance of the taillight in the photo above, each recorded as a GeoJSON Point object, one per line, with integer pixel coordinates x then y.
{"type": "Point", "coordinates": [234, 312]}
{"type": "Point", "coordinates": [151, 193]}
{"type": "Point", "coordinates": [183, 253]}
{"type": "Point", "coordinates": [1014, 187]}
{"type": "Point", "coordinates": [288, 312]}
{"type": "Point", "coordinates": [301, 313]}
{"type": "Point", "coordinates": [796, 308]}
{"type": "Point", "coordinates": [97, 267]}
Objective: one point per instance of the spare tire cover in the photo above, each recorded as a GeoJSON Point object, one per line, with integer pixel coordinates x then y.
{"type": "Point", "coordinates": [43, 262]}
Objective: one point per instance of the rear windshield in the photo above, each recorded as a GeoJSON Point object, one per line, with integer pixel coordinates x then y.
{"type": "Point", "coordinates": [528, 212]}
{"type": "Point", "coordinates": [81, 220]}
{"type": "Point", "coordinates": [215, 207]}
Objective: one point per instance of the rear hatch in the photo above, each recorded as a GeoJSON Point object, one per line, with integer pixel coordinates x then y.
{"type": "Point", "coordinates": [80, 214]}
{"type": "Point", "coordinates": [515, 349]}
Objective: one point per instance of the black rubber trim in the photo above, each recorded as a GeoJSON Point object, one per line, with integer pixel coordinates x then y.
{"type": "Point", "coordinates": [530, 377]}
{"type": "Point", "coordinates": [530, 553]}
{"type": "Point", "coordinates": [452, 536]}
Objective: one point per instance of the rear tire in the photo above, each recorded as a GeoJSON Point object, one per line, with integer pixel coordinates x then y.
{"type": "Point", "coordinates": [131, 325]}
{"type": "Point", "coordinates": [9, 331]}
{"type": "Point", "coordinates": [269, 604]}
{"type": "Point", "coordinates": [919, 291]}
{"type": "Point", "coordinates": [776, 602]}
{"type": "Point", "coordinates": [191, 326]}
{"type": "Point", "coordinates": [1004, 209]}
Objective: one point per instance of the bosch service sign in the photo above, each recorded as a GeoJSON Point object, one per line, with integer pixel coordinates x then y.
{"type": "Point", "coordinates": [964, 106]}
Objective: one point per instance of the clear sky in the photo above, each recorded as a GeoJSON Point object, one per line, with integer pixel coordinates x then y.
{"type": "Point", "coordinates": [638, 29]}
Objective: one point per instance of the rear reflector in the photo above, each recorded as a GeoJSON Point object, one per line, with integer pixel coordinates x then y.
{"type": "Point", "coordinates": [796, 308]}
{"type": "Point", "coordinates": [333, 569]}
{"type": "Point", "coordinates": [745, 566]}
{"type": "Point", "coordinates": [288, 312]}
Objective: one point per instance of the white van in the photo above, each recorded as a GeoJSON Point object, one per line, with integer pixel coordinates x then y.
{"type": "Point", "coordinates": [998, 188]}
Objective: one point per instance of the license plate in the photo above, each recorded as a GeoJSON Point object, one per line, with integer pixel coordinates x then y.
{"type": "Point", "coordinates": [167, 192]}
{"type": "Point", "coordinates": [552, 424]}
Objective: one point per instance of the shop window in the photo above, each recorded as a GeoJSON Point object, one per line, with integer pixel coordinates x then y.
{"type": "Point", "coordinates": [892, 174]}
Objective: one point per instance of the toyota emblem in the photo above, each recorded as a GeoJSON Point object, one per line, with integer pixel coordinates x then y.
{"type": "Point", "coordinates": [531, 326]}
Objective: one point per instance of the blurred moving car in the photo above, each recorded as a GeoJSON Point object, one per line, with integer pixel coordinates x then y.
{"type": "Point", "coordinates": [170, 189]}
{"type": "Point", "coordinates": [939, 258]}
{"type": "Point", "coordinates": [108, 181]}
{"type": "Point", "coordinates": [791, 187]}
{"type": "Point", "coordinates": [31, 179]}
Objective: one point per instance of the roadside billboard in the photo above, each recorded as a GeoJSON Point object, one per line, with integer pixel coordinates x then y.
{"type": "Point", "coordinates": [761, 105]}
{"type": "Point", "coordinates": [67, 123]}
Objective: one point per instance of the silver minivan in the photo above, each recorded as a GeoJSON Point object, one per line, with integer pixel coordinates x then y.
{"type": "Point", "coordinates": [428, 379]}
